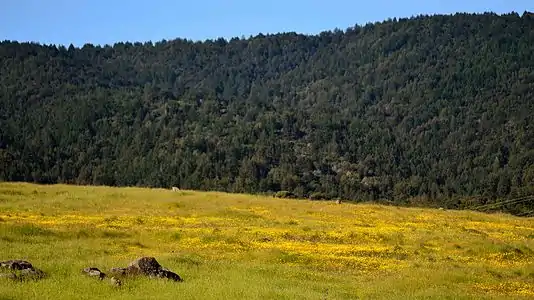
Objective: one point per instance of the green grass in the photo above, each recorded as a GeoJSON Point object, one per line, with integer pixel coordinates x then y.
{"type": "Point", "coordinates": [228, 246]}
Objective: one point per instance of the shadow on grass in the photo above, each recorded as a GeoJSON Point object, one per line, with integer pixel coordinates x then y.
{"type": "Point", "coordinates": [194, 260]}
{"type": "Point", "coordinates": [26, 230]}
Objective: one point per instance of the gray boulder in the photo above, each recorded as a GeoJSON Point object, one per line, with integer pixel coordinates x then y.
{"type": "Point", "coordinates": [147, 266]}
{"type": "Point", "coordinates": [121, 272]}
{"type": "Point", "coordinates": [94, 272]}
{"type": "Point", "coordinates": [15, 264]}
{"type": "Point", "coordinates": [21, 270]}
{"type": "Point", "coordinates": [169, 275]}
{"type": "Point", "coordinates": [124, 272]}
{"type": "Point", "coordinates": [31, 274]}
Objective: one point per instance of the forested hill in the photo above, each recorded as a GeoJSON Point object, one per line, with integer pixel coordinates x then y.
{"type": "Point", "coordinates": [439, 110]}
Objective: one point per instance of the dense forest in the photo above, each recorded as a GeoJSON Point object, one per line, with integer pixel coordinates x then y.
{"type": "Point", "coordinates": [429, 110]}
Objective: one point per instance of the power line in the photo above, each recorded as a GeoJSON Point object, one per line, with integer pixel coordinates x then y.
{"type": "Point", "coordinates": [525, 213]}
{"type": "Point", "coordinates": [501, 203]}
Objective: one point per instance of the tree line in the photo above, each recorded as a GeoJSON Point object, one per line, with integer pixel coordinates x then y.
{"type": "Point", "coordinates": [429, 110]}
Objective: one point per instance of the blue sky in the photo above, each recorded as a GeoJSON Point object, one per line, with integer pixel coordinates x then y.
{"type": "Point", "coordinates": [109, 21]}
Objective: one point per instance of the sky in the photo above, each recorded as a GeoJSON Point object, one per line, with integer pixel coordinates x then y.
{"type": "Point", "coordinates": [103, 22]}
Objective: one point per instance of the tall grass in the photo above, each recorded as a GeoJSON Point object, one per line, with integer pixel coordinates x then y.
{"type": "Point", "coordinates": [229, 246]}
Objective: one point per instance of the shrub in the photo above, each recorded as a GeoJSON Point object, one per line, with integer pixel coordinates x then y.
{"type": "Point", "coordinates": [318, 196]}
{"type": "Point", "coordinates": [284, 194]}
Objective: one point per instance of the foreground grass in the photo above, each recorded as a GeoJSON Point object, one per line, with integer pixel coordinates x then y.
{"type": "Point", "coordinates": [230, 246]}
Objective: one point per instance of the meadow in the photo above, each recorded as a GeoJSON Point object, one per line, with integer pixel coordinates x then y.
{"type": "Point", "coordinates": [233, 246]}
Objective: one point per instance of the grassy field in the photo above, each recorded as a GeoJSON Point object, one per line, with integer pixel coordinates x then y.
{"type": "Point", "coordinates": [229, 246]}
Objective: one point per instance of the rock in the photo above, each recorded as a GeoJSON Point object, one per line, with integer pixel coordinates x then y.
{"type": "Point", "coordinates": [117, 271]}
{"type": "Point", "coordinates": [147, 266]}
{"type": "Point", "coordinates": [115, 281]}
{"type": "Point", "coordinates": [16, 264]}
{"type": "Point", "coordinates": [21, 270]}
{"type": "Point", "coordinates": [94, 272]}
{"type": "Point", "coordinates": [122, 272]}
{"type": "Point", "coordinates": [32, 273]}
{"type": "Point", "coordinates": [170, 275]}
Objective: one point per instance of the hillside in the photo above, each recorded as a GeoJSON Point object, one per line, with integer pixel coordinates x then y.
{"type": "Point", "coordinates": [231, 246]}
{"type": "Point", "coordinates": [431, 110]}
